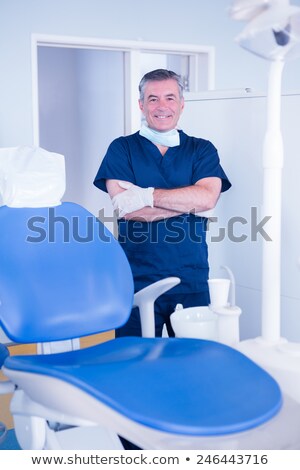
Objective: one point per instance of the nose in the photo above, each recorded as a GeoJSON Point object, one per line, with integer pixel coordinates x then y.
{"type": "Point", "coordinates": [162, 104]}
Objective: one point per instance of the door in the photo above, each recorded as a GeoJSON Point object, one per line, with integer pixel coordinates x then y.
{"type": "Point", "coordinates": [81, 110]}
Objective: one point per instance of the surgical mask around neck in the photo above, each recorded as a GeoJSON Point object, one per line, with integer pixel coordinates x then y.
{"type": "Point", "coordinates": [167, 139]}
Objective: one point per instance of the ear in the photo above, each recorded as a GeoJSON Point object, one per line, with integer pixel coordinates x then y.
{"type": "Point", "coordinates": [141, 105]}
{"type": "Point", "coordinates": [182, 105]}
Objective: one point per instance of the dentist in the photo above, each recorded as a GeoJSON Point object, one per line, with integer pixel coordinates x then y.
{"type": "Point", "coordinates": [163, 184]}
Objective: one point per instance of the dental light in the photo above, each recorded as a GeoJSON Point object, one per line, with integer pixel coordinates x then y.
{"type": "Point", "coordinates": [273, 32]}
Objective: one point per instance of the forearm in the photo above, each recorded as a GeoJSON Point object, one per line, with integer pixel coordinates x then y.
{"type": "Point", "coordinates": [184, 200]}
{"type": "Point", "coordinates": [135, 203]}
{"type": "Point", "coordinates": [173, 202]}
{"type": "Point", "coordinates": [150, 214]}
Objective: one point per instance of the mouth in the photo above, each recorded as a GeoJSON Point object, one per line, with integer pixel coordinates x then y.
{"type": "Point", "coordinates": [162, 117]}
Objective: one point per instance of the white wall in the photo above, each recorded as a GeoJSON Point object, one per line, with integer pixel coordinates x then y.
{"type": "Point", "coordinates": [191, 21]}
{"type": "Point", "coordinates": [237, 128]}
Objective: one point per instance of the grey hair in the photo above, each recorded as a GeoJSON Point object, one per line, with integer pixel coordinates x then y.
{"type": "Point", "coordinates": [158, 75]}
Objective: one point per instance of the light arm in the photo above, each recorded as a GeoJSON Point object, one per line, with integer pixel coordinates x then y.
{"type": "Point", "coordinates": [201, 196]}
{"type": "Point", "coordinates": [146, 214]}
{"type": "Point", "coordinates": [196, 198]}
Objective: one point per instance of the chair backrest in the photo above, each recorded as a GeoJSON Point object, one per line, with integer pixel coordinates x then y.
{"type": "Point", "coordinates": [62, 274]}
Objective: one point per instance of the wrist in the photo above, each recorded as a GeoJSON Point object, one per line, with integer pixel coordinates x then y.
{"type": "Point", "coordinates": [157, 197]}
{"type": "Point", "coordinates": [149, 196]}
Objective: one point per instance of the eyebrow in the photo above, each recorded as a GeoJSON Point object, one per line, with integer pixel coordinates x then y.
{"type": "Point", "coordinates": [168, 95]}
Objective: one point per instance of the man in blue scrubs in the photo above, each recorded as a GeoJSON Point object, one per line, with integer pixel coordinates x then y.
{"type": "Point", "coordinates": [163, 183]}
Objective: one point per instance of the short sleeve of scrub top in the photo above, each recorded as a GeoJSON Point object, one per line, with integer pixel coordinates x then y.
{"type": "Point", "coordinates": [116, 164]}
{"type": "Point", "coordinates": [170, 247]}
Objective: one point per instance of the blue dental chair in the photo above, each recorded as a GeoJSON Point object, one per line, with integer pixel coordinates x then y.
{"type": "Point", "coordinates": [63, 276]}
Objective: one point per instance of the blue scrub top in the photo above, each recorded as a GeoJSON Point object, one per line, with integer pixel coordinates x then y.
{"type": "Point", "coordinates": [170, 247]}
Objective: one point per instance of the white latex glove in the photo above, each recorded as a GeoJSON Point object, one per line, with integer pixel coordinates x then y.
{"type": "Point", "coordinates": [133, 199]}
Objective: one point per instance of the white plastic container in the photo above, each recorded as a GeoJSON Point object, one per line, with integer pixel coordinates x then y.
{"type": "Point", "coordinates": [194, 322]}
{"type": "Point", "coordinates": [219, 292]}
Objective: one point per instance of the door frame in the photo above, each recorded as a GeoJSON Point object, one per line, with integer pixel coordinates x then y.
{"type": "Point", "coordinates": [132, 51]}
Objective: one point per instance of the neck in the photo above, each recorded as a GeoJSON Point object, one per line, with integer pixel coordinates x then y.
{"type": "Point", "coordinates": [162, 148]}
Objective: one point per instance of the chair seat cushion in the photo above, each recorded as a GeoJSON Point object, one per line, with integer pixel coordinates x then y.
{"type": "Point", "coordinates": [182, 386]}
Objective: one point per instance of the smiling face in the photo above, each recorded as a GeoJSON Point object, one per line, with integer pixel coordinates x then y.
{"type": "Point", "coordinates": [162, 104]}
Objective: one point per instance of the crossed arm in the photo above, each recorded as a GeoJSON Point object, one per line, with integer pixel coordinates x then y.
{"type": "Point", "coordinates": [201, 196]}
